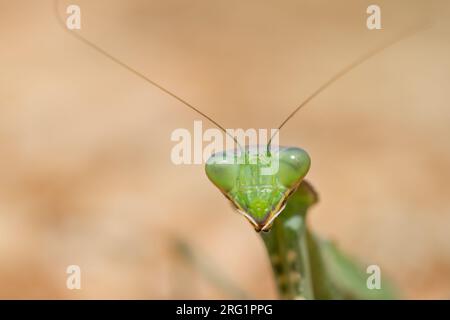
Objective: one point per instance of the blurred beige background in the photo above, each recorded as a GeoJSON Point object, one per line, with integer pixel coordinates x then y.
{"type": "Point", "coordinates": [85, 171]}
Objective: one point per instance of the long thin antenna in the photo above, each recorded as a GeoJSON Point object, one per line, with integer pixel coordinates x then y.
{"type": "Point", "coordinates": [346, 70]}
{"type": "Point", "coordinates": [137, 73]}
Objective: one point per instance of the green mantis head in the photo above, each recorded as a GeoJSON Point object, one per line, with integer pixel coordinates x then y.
{"type": "Point", "coordinates": [258, 182]}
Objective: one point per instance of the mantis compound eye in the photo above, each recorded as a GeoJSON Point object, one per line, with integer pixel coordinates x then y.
{"type": "Point", "coordinates": [294, 164]}
{"type": "Point", "coordinates": [222, 169]}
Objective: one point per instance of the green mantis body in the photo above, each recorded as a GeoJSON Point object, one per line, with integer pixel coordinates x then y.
{"type": "Point", "coordinates": [306, 266]}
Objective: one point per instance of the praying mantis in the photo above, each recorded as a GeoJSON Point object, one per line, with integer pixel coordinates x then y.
{"type": "Point", "coordinates": [305, 266]}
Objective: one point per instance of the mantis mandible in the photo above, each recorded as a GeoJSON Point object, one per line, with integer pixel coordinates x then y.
{"type": "Point", "coordinates": [305, 266]}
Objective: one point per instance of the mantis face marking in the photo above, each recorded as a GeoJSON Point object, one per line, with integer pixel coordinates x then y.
{"type": "Point", "coordinates": [260, 198]}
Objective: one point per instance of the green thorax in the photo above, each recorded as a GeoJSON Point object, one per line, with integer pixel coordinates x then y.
{"type": "Point", "coordinates": [258, 183]}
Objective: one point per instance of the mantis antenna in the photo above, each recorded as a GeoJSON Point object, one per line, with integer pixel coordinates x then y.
{"type": "Point", "coordinates": [344, 72]}
{"type": "Point", "coordinates": [322, 88]}
{"type": "Point", "coordinates": [137, 73]}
